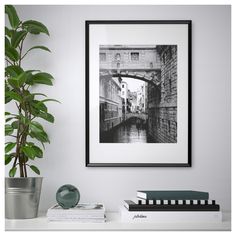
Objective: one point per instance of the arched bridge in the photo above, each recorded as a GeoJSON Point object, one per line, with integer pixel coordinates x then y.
{"type": "Point", "coordinates": [140, 116]}
{"type": "Point", "coordinates": [146, 77]}
{"type": "Point", "coordinates": [137, 62]}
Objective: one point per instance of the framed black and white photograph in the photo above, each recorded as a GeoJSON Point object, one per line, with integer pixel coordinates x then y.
{"type": "Point", "coordinates": [138, 93]}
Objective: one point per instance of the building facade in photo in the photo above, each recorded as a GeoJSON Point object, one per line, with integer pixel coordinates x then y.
{"type": "Point", "coordinates": [124, 96]}
{"type": "Point", "coordinates": [110, 102]}
{"type": "Point", "coordinates": [162, 99]}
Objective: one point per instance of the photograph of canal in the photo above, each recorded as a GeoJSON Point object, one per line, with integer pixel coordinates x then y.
{"type": "Point", "coordinates": [138, 93]}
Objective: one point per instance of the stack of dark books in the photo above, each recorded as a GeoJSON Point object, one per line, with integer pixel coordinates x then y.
{"type": "Point", "coordinates": [171, 206]}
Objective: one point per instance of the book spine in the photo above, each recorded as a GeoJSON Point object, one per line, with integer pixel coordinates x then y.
{"type": "Point", "coordinates": [76, 216]}
{"type": "Point", "coordinates": [172, 205]}
{"type": "Point", "coordinates": [78, 220]}
{"type": "Point", "coordinates": [174, 208]}
{"type": "Point", "coordinates": [170, 217]}
{"type": "Point", "coordinates": [174, 196]}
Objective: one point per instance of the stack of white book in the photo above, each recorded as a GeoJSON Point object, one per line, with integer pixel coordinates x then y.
{"type": "Point", "coordinates": [84, 213]}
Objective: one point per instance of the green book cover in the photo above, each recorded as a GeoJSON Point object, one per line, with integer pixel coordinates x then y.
{"type": "Point", "coordinates": [173, 195]}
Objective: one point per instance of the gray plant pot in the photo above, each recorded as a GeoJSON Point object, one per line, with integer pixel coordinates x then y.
{"type": "Point", "coordinates": [22, 197]}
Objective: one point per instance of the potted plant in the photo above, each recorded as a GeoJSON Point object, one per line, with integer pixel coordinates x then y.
{"type": "Point", "coordinates": [25, 136]}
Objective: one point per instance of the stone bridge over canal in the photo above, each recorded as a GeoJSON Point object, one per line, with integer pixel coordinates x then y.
{"type": "Point", "coordinates": [137, 62]}
{"type": "Point", "coordinates": [140, 116]}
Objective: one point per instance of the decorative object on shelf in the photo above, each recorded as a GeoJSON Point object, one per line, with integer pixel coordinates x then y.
{"type": "Point", "coordinates": [84, 213]}
{"type": "Point", "coordinates": [171, 206]}
{"type": "Point", "coordinates": [23, 131]}
{"type": "Point", "coordinates": [138, 93]}
{"type": "Point", "coordinates": [67, 196]}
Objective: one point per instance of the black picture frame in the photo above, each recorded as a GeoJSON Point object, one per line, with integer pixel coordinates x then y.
{"type": "Point", "coordinates": [88, 163]}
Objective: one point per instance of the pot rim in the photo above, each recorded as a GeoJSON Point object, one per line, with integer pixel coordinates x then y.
{"type": "Point", "coordinates": [23, 177]}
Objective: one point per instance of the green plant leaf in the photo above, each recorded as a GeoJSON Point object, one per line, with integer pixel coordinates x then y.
{"type": "Point", "coordinates": [8, 159]}
{"type": "Point", "coordinates": [24, 120]}
{"type": "Point", "coordinates": [40, 109]}
{"type": "Point", "coordinates": [9, 147]}
{"type": "Point", "coordinates": [12, 171]}
{"type": "Point", "coordinates": [40, 136]}
{"type": "Point", "coordinates": [13, 71]}
{"type": "Point", "coordinates": [13, 82]}
{"type": "Point", "coordinates": [29, 79]}
{"type": "Point", "coordinates": [15, 124]}
{"type": "Point", "coordinates": [50, 100]}
{"type": "Point", "coordinates": [14, 116]}
{"type": "Point", "coordinates": [41, 94]}
{"type": "Point", "coordinates": [17, 37]}
{"type": "Point", "coordinates": [7, 99]}
{"type": "Point", "coordinates": [12, 54]}
{"type": "Point", "coordinates": [31, 71]}
{"type": "Point", "coordinates": [18, 81]}
{"type": "Point", "coordinates": [9, 119]}
{"type": "Point", "coordinates": [13, 95]}
{"type": "Point", "coordinates": [7, 88]}
{"type": "Point", "coordinates": [42, 78]}
{"type": "Point", "coordinates": [8, 32]}
{"type": "Point", "coordinates": [35, 27]}
{"type": "Point", "coordinates": [43, 145]}
{"type": "Point", "coordinates": [12, 16]}
{"type": "Point", "coordinates": [38, 151]}
{"type": "Point", "coordinates": [39, 106]}
{"type": "Point", "coordinates": [38, 47]}
{"type": "Point", "coordinates": [7, 43]}
{"type": "Point", "coordinates": [28, 151]}
{"type": "Point", "coordinates": [36, 127]}
{"type": "Point", "coordinates": [35, 169]}
{"type": "Point", "coordinates": [8, 130]}
{"type": "Point", "coordinates": [28, 98]}
{"type": "Point", "coordinates": [21, 78]}
{"type": "Point", "coordinates": [46, 116]}
{"type": "Point", "coordinates": [30, 144]}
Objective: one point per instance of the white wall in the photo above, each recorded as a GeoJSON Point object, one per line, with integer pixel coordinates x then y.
{"type": "Point", "coordinates": [64, 160]}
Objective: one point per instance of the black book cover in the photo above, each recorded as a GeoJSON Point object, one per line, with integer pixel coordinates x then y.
{"type": "Point", "coordinates": [132, 206]}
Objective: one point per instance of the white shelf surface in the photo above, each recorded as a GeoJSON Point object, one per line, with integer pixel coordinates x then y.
{"type": "Point", "coordinates": [113, 223]}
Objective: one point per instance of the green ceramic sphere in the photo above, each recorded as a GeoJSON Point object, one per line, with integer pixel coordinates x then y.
{"type": "Point", "coordinates": [67, 196]}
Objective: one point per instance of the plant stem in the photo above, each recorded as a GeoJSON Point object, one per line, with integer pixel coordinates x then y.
{"type": "Point", "coordinates": [9, 62]}
{"type": "Point", "coordinates": [17, 143]}
{"type": "Point", "coordinates": [25, 167]}
{"type": "Point", "coordinates": [23, 142]}
{"type": "Point", "coordinates": [19, 135]}
{"type": "Point", "coordinates": [21, 170]}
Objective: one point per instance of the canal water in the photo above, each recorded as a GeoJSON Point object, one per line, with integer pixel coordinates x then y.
{"type": "Point", "coordinates": [128, 132]}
